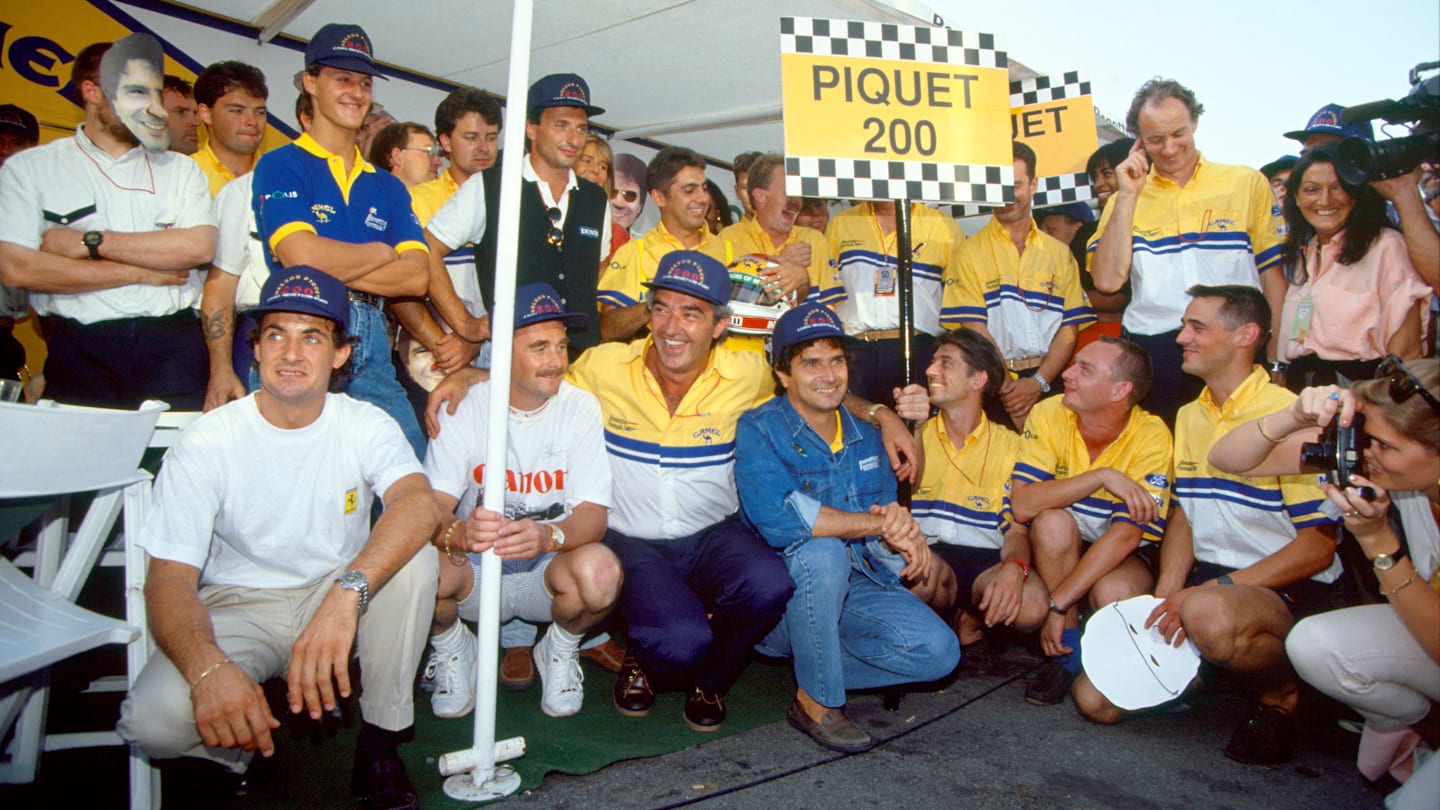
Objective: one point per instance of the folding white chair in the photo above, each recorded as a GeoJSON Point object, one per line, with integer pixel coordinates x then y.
{"type": "Point", "coordinates": [60, 450]}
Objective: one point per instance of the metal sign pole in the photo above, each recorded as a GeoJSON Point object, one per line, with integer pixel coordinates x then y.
{"type": "Point", "coordinates": [906, 281]}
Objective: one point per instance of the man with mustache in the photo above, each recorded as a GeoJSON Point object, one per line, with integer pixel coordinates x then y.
{"type": "Point", "coordinates": [105, 230]}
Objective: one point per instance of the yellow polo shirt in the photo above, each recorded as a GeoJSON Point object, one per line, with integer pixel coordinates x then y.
{"type": "Point", "coordinates": [622, 282]}
{"type": "Point", "coordinates": [431, 196]}
{"type": "Point", "coordinates": [964, 494]}
{"type": "Point", "coordinates": [672, 475]}
{"type": "Point", "coordinates": [217, 174]}
{"type": "Point", "coordinates": [865, 290]}
{"type": "Point", "coordinates": [746, 237]}
{"type": "Point", "coordinates": [1052, 448]}
{"type": "Point", "coordinates": [1238, 520]}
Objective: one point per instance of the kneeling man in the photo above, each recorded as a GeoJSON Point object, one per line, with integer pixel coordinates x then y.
{"type": "Point", "coordinates": [263, 561]}
{"type": "Point", "coordinates": [816, 487]}
{"type": "Point", "coordinates": [557, 496]}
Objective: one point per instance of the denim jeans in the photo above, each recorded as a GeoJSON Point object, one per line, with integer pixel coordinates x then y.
{"type": "Point", "coordinates": [847, 631]}
{"type": "Point", "coordinates": [372, 373]}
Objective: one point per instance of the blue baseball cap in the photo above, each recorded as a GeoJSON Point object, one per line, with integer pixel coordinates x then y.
{"type": "Point", "coordinates": [307, 291]}
{"type": "Point", "coordinates": [1078, 211]}
{"type": "Point", "coordinates": [342, 46]}
{"type": "Point", "coordinates": [19, 121]}
{"type": "Point", "coordinates": [1280, 164]}
{"type": "Point", "coordinates": [693, 273]}
{"type": "Point", "coordinates": [561, 90]}
{"type": "Point", "coordinates": [805, 322]}
{"type": "Point", "coordinates": [1326, 121]}
{"type": "Point", "coordinates": [537, 303]}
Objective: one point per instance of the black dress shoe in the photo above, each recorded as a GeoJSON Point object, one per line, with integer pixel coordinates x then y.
{"type": "Point", "coordinates": [380, 780]}
{"type": "Point", "coordinates": [834, 730]}
{"type": "Point", "coordinates": [1266, 737]}
{"type": "Point", "coordinates": [1050, 685]}
{"type": "Point", "coordinates": [704, 710]}
{"type": "Point", "coordinates": [633, 695]}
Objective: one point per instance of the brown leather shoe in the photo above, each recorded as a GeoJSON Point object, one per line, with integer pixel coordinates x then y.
{"type": "Point", "coordinates": [704, 710]}
{"type": "Point", "coordinates": [517, 670]}
{"type": "Point", "coordinates": [633, 695]}
{"type": "Point", "coordinates": [834, 731]}
{"type": "Point", "coordinates": [610, 655]}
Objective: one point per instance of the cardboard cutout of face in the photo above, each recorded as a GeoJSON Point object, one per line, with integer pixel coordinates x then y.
{"type": "Point", "coordinates": [132, 76]}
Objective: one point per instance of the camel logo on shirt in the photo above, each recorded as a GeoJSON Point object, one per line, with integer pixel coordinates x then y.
{"type": "Point", "coordinates": [1223, 224]}
{"type": "Point", "coordinates": [979, 501]}
{"type": "Point", "coordinates": [707, 435]}
{"type": "Point", "coordinates": [322, 212]}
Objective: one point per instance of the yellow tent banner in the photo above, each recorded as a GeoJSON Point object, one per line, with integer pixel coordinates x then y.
{"type": "Point", "coordinates": [883, 111]}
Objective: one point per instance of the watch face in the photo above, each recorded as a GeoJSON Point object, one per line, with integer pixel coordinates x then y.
{"type": "Point", "coordinates": [1384, 562]}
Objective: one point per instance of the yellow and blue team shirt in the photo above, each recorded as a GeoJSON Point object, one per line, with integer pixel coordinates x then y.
{"type": "Point", "coordinates": [622, 283]}
{"type": "Point", "coordinates": [865, 288]}
{"type": "Point", "coordinates": [964, 494]}
{"type": "Point", "coordinates": [1238, 520]}
{"type": "Point", "coordinates": [1052, 448]}
{"type": "Point", "coordinates": [672, 475]}
{"type": "Point", "coordinates": [217, 174]}
{"type": "Point", "coordinates": [1022, 299]}
{"type": "Point", "coordinates": [1222, 227]}
{"type": "Point", "coordinates": [747, 237]}
{"type": "Point", "coordinates": [303, 187]}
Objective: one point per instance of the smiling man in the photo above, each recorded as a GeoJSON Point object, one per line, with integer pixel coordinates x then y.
{"type": "Point", "coordinates": [105, 231]}
{"type": "Point", "coordinates": [818, 492]}
{"type": "Point", "coordinates": [317, 202]}
{"type": "Point", "coordinates": [1177, 220]}
{"type": "Point", "coordinates": [263, 562]}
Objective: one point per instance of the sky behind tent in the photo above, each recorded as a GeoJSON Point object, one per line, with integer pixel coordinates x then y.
{"type": "Point", "coordinates": [1260, 68]}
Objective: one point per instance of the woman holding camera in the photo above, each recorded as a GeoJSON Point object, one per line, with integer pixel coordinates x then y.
{"type": "Point", "coordinates": [1353, 295]}
{"type": "Point", "coordinates": [1382, 660]}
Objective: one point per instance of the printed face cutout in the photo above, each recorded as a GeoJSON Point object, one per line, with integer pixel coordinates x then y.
{"type": "Point", "coordinates": [132, 77]}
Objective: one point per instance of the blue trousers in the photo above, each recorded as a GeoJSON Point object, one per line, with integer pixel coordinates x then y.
{"type": "Point", "coordinates": [846, 631]}
{"type": "Point", "coordinates": [725, 570]}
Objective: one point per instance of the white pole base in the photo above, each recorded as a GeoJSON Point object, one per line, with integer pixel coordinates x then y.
{"type": "Point", "coordinates": [503, 782]}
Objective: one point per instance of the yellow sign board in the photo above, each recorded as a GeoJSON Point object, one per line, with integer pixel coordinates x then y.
{"type": "Point", "coordinates": [880, 111]}
{"type": "Point", "coordinates": [1055, 116]}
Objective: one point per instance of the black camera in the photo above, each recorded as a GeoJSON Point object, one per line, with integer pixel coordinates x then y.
{"type": "Point", "coordinates": [1339, 454]}
{"type": "Point", "coordinates": [1359, 161]}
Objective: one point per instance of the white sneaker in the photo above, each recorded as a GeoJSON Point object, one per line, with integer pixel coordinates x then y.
{"type": "Point", "coordinates": [561, 679]}
{"type": "Point", "coordinates": [455, 677]}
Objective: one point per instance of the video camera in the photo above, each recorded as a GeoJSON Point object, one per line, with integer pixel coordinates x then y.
{"type": "Point", "coordinates": [1339, 454]}
{"type": "Point", "coordinates": [1359, 161]}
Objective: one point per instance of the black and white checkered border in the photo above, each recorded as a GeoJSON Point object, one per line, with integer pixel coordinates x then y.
{"type": "Point", "coordinates": [898, 180]}
{"type": "Point", "coordinates": [1044, 89]}
{"type": "Point", "coordinates": [825, 37]}
{"type": "Point", "coordinates": [1061, 189]}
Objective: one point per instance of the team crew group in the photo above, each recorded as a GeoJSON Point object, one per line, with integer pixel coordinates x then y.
{"type": "Point", "coordinates": [1082, 436]}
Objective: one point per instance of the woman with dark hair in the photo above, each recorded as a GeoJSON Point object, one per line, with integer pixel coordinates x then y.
{"type": "Point", "coordinates": [1353, 296]}
{"type": "Point", "coordinates": [718, 215]}
{"type": "Point", "coordinates": [1381, 660]}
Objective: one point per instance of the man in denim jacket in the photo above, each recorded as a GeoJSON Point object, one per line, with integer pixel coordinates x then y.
{"type": "Point", "coordinates": [815, 485]}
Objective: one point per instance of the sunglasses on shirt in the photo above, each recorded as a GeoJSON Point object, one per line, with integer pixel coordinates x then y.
{"type": "Point", "coordinates": [1403, 384]}
{"type": "Point", "coordinates": [555, 237]}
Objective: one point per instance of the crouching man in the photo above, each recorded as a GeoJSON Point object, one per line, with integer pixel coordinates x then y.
{"type": "Point", "coordinates": [263, 561]}
{"type": "Point", "coordinates": [816, 486]}
{"type": "Point", "coordinates": [557, 496]}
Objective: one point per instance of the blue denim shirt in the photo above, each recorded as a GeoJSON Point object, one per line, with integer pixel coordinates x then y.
{"type": "Point", "coordinates": [785, 472]}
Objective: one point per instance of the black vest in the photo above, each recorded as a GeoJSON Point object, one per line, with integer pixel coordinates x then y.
{"type": "Point", "coordinates": [573, 269]}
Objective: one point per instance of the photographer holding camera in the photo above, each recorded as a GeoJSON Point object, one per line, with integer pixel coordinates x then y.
{"type": "Point", "coordinates": [1382, 660]}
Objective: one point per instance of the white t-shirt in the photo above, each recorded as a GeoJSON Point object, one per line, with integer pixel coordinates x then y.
{"type": "Point", "coordinates": [555, 455]}
{"type": "Point", "coordinates": [71, 183]}
{"type": "Point", "coordinates": [238, 250]}
{"type": "Point", "coordinates": [255, 505]}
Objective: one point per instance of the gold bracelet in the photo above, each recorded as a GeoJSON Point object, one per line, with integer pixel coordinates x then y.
{"type": "Point", "coordinates": [210, 669]}
{"type": "Point", "coordinates": [450, 555]}
{"type": "Point", "coordinates": [1260, 426]}
{"type": "Point", "coordinates": [1401, 586]}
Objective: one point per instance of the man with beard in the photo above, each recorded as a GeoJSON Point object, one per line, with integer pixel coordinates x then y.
{"type": "Point", "coordinates": [105, 230]}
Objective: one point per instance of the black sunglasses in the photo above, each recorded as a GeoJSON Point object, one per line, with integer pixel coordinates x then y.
{"type": "Point", "coordinates": [1403, 384]}
{"type": "Point", "coordinates": [555, 237]}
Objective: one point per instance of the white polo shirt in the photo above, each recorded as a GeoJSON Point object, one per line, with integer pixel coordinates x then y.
{"type": "Point", "coordinates": [72, 183]}
{"type": "Point", "coordinates": [239, 251]}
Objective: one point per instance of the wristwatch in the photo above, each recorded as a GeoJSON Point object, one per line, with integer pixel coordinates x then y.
{"type": "Point", "coordinates": [1384, 562]}
{"type": "Point", "coordinates": [91, 240]}
{"type": "Point", "coordinates": [357, 581]}
{"type": "Point", "coordinates": [1056, 609]}
{"type": "Point", "coordinates": [557, 536]}
{"type": "Point", "coordinates": [1044, 383]}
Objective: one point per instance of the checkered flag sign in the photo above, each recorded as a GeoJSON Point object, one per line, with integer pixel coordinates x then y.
{"type": "Point", "coordinates": [882, 111]}
{"type": "Point", "coordinates": [1036, 106]}
{"type": "Point", "coordinates": [1043, 89]}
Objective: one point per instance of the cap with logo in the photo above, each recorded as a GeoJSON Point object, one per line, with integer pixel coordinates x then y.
{"type": "Point", "coordinates": [342, 46]}
{"type": "Point", "coordinates": [307, 291]}
{"type": "Point", "coordinates": [693, 273]}
{"type": "Point", "coordinates": [1326, 121]}
{"type": "Point", "coordinates": [561, 90]}
{"type": "Point", "coordinates": [1078, 211]}
{"type": "Point", "coordinates": [19, 121]}
{"type": "Point", "coordinates": [537, 302]}
{"type": "Point", "coordinates": [1280, 164]}
{"type": "Point", "coordinates": [807, 321]}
